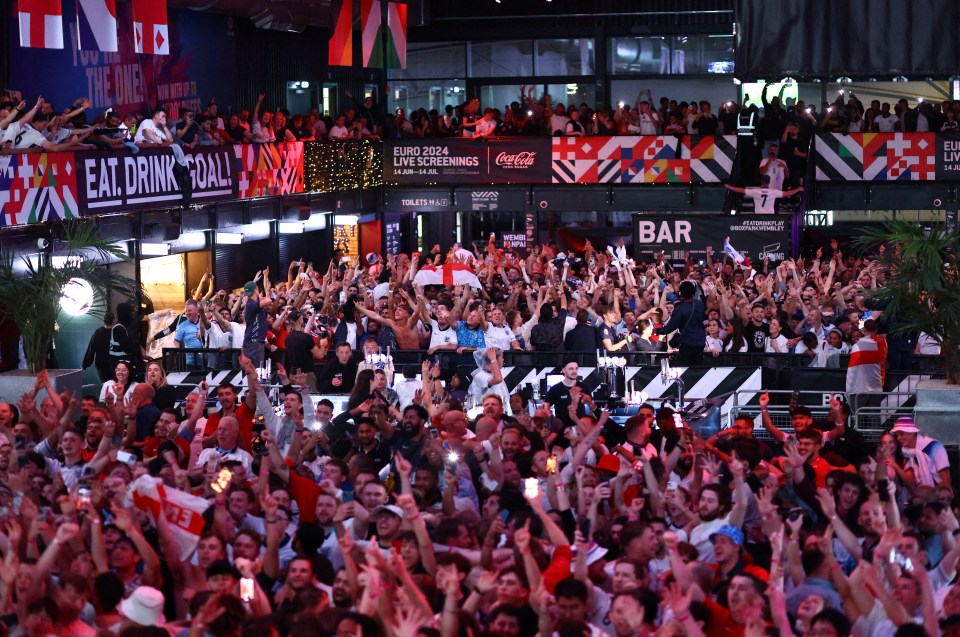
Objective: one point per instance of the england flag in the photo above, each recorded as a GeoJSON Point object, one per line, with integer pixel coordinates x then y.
{"type": "Point", "coordinates": [41, 24]}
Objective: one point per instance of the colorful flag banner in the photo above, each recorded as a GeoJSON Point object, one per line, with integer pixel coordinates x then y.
{"type": "Point", "coordinates": [370, 23]}
{"type": "Point", "coordinates": [41, 24]}
{"type": "Point", "coordinates": [397, 35]}
{"type": "Point", "coordinates": [151, 29]}
{"type": "Point", "coordinates": [341, 35]}
{"type": "Point", "coordinates": [97, 25]}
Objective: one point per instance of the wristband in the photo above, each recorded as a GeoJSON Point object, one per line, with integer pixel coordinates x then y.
{"type": "Point", "coordinates": [525, 550]}
{"type": "Point", "coordinates": [415, 517]}
{"type": "Point", "coordinates": [683, 618]}
{"type": "Point", "coordinates": [835, 567]}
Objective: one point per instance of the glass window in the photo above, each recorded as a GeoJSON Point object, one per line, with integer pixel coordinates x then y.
{"type": "Point", "coordinates": [574, 94]}
{"type": "Point", "coordinates": [640, 55]}
{"type": "Point", "coordinates": [702, 54]}
{"type": "Point", "coordinates": [428, 94]}
{"type": "Point", "coordinates": [715, 91]}
{"type": "Point", "coordinates": [433, 59]}
{"type": "Point", "coordinates": [565, 57]}
{"type": "Point", "coordinates": [676, 55]}
{"type": "Point", "coordinates": [507, 58]}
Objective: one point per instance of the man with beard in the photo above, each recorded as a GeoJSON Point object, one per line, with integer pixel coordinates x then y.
{"type": "Point", "coordinates": [560, 395]}
{"type": "Point", "coordinates": [409, 438]}
{"type": "Point", "coordinates": [713, 512]}
{"type": "Point", "coordinates": [95, 421]}
{"type": "Point", "coordinates": [872, 521]}
{"type": "Point", "coordinates": [341, 593]}
{"type": "Point", "coordinates": [367, 443]}
{"type": "Point", "coordinates": [324, 511]}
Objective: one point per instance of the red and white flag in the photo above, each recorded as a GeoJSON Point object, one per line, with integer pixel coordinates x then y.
{"type": "Point", "coordinates": [41, 24]}
{"type": "Point", "coordinates": [97, 25]}
{"type": "Point", "coordinates": [447, 274]}
{"type": "Point", "coordinates": [184, 512]}
{"type": "Point", "coordinates": [151, 31]}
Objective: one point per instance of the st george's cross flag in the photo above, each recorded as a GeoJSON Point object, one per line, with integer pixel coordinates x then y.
{"type": "Point", "coordinates": [97, 25]}
{"type": "Point", "coordinates": [151, 31]}
{"type": "Point", "coordinates": [41, 24]}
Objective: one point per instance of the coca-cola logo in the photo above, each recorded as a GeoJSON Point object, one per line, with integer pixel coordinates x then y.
{"type": "Point", "coordinates": [519, 160]}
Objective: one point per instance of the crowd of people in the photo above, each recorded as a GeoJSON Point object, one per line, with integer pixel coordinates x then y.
{"type": "Point", "coordinates": [780, 121]}
{"type": "Point", "coordinates": [437, 502]}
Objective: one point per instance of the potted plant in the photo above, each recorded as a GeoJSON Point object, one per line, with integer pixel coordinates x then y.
{"type": "Point", "coordinates": [31, 296]}
{"type": "Point", "coordinates": [921, 293]}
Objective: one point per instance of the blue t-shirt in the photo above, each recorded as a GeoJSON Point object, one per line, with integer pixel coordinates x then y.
{"type": "Point", "coordinates": [467, 337]}
{"type": "Point", "coordinates": [255, 318]}
{"type": "Point", "coordinates": [189, 334]}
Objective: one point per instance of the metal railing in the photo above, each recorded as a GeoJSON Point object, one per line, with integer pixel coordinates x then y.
{"type": "Point", "coordinates": [175, 359]}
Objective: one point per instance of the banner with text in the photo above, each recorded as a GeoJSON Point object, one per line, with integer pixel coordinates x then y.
{"type": "Point", "coordinates": [755, 236]}
{"type": "Point", "coordinates": [460, 160]}
{"type": "Point", "coordinates": [201, 65]}
{"type": "Point", "coordinates": [114, 182]}
{"type": "Point", "coordinates": [948, 157]}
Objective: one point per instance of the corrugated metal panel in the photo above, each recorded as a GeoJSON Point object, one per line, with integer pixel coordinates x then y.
{"type": "Point", "coordinates": [313, 247]}
{"type": "Point", "coordinates": [235, 265]}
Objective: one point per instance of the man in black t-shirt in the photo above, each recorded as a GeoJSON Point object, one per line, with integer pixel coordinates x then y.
{"type": "Point", "coordinates": [559, 397]}
{"type": "Point", "coordinates": [302, 350]}
{"type": "Point", "coordinates": [756, 331]}
{"type": "Point", "coordinates": [610, 341]}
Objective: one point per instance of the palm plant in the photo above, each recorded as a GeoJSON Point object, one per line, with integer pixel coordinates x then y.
{"type": "Point", "coordinates": [922, 288]}
{"type": "Point", "coordinates": [31, 298]}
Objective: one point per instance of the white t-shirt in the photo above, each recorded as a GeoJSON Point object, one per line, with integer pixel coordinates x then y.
{"type": "Point", "coordinates": [261, 134]}
{"type": "Point", "coordinates": [764, 199]}
{"type": "Point", "coordinates": [22, 135]}
{"type": "Point", "coordinates": [558, 123]}
{"type": "Point", "coordinates": [886, 123]}
{"type": "Point", "coordinates": [498, 336]}
{"type": "Point", "coordinates": [648, 124]}
{"type": "Point", "coordinates": [700, 538]}
{"type": "Point", "coordinates": [339, 132]}
{"type": "Point", "coordinates": [781, 342]}
{"type": "Point", "coordinates": [777, 171]}
{"type": "Point", "coordinates": [146, 125]}
{"type": "Point", "coordinates": [440, 336]}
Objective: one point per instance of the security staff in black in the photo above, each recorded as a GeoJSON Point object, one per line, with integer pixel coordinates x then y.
{"type": "Point", "coordinates": [687, 317]}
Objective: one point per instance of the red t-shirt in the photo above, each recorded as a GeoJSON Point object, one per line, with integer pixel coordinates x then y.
{"type": "Point", "coordinates": [243, 415]}
{"type": "Point", "coordinates": [306, 492]}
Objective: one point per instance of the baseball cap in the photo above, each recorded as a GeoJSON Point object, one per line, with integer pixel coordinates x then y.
{"type": "Point", "coordinates": [905, 425]}
{"type": "Point", "coordinates": [249, 288]}
{"type": "Point", "coordinates": [730, 531]}
{"type": "Point", "coordinates": [389, 508]}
